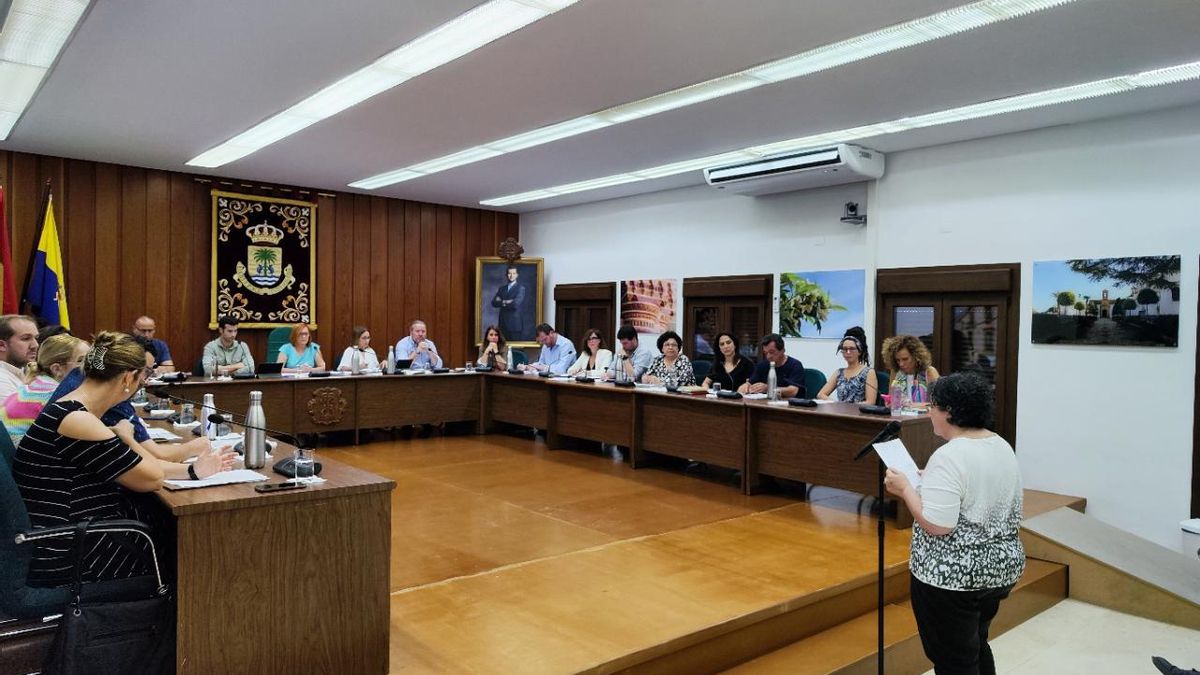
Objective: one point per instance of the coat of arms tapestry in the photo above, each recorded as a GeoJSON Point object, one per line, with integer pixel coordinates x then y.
{"type": "Point", "coordinates": [263, 260]}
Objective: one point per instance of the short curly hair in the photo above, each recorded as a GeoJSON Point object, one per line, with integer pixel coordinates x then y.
{"type": "Point", "coordinates": [915, 347]}
{"type": "Point", "coordinates": [967, 399]}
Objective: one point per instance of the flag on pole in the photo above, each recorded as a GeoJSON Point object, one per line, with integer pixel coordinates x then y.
{"type": "Point", "coordinates": [8, 288]}
{"type": "Point", "coordinates": [46, 295]}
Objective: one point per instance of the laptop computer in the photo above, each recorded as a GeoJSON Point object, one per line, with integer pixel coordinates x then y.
{"type": "Point", "coordinates": [403, 364]}
{"type": "Point", "coordinates": [269, 368]}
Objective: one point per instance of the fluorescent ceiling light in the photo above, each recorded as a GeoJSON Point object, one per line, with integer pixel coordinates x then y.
{"type": "Point", "coordinates": [892, 38]}
{"type": "Point", "coordinates": [1041, 99]}
{"type": "Point", "coordinates": [33, 37]}
{"type": "Point", "coordinates": [453, 39]}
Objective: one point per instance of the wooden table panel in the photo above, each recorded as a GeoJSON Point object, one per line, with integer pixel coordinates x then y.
{"type": "Point", "coordinates": [596, 412]}
{"type": "Point", "coordinates": [693, 427]}
{"type": "Point", "coordinates": [234, 395]}
{"type": "Point", "coordinates": [813, 447]}
{"type": "Point", "coordinates": [517, 399]}
{"type": "Point", "coordinates": [324, 404]}
{"type": "Point", "coordinates": [304, 571]}
{"type": "Point", "coordinates": [417, 399]}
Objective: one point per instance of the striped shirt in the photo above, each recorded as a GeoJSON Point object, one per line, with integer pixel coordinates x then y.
{"type": "Point", "coordinates": [26, 403]}
{"type": "Point", "coordinates": [64, 480]}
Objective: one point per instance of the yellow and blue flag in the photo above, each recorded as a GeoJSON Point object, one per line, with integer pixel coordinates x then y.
{"type": "Point", "coordinates": [47, 293]}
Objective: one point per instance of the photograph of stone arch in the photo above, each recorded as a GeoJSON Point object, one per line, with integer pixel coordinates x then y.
{"type": "Point", "coordinates": [1107, 301]}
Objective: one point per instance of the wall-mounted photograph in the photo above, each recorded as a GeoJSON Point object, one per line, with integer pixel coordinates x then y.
{"type": "Point", "coordinates": [508, 296]}
{"type": "Point", "coordinates": [1107, 301]}
{"type": "Point", "coordinates": [648, 305]}
{"type": "Point", "coordinates": [821, 304]}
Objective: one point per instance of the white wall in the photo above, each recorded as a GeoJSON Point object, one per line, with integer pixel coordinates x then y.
{"type": "Point", "coordinates": [1111, 424]}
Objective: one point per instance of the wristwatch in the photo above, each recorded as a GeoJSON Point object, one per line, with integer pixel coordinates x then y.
{"type": "Point", "coordinates": [192, 472]}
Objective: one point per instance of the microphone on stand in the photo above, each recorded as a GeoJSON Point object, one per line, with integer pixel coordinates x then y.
{"type": "Point", "coordinates": [889, 432]}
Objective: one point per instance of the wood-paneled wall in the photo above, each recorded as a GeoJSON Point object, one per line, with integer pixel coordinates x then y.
{"type": "Point", "coordinates": [138, 241]}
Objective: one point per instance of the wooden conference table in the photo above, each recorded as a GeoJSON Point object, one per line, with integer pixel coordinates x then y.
{"type": "Point", "coordinates": [286, 582]}
{"type": "Point", "coordinates": [810, 445]}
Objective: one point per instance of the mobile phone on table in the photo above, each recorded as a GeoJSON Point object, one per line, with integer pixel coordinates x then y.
{"type": "Point", "coordinates": [276, 487]}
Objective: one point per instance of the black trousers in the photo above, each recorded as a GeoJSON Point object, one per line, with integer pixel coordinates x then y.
{"type": "Point", "coordinates": [954, 627]}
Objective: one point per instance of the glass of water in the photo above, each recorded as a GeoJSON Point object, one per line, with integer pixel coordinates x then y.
{"type": "Point", "coordinates": [188, 414]}
{"type": "Point", "coordinates": [224, 428]}
{"type": "Point", "coordinates": [304, 465]}
{"type": "Point", "coordinates": [716, 387]}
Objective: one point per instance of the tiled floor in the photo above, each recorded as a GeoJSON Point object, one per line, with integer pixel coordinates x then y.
{"type": "Point", "coordinates": [1075, 637]}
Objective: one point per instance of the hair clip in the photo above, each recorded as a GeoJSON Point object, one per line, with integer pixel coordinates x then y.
{"type": "Point", "coordinates": [95, 358]}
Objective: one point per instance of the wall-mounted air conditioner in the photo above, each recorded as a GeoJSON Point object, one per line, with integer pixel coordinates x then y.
{"type": "Point", "coordinates": [801, 170]}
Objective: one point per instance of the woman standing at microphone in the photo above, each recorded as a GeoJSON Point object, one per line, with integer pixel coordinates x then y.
{"type": "Point", "coordinates": [966, 553]}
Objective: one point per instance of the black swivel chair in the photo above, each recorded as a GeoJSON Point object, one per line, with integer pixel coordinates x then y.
{"type": "Point", "coordinates": [25, 636]}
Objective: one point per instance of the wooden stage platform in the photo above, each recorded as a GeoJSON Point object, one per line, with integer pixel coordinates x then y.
{"type": "Point", "coordinates": [509, 558]}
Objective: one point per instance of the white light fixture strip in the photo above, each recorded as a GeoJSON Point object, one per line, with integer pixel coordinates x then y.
{"type": "Point", "coordinates": [33, 36]}
{"type": "Point", "coordinates": [892, 38]}
{"type": "Point", "coordinates": [1041, 99]}
{"type": "Point", "coordinates": [456, 38]}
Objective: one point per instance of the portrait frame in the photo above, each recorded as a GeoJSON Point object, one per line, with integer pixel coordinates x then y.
{"type": "Point", "coordinates": [490, 278]}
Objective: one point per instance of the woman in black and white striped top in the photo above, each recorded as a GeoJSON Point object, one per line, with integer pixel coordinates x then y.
{"type": "Point", "coordinates": [70, 466]}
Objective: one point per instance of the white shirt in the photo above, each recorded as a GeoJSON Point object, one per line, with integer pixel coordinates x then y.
{"type": "Point", "coordinates": [11, 377]}
{"type": "Point", "coordinates": [367, 359]}
{"type": "Point", "coordinates": [603, 358]}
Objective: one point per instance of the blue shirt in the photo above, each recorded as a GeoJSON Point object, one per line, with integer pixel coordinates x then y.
{"type": "Point", "coordinates": [407, 346]}
{"type": "Point", "coordinates": [121, 411]}
{"type": "Point", "coordinates": [790, 374]}
{"type": "Point", "coordinates": [560, 357]}
{"type": "Point", "coordinates": [160, 351]}
{"type": "Point", "coordinates": [307, 358]}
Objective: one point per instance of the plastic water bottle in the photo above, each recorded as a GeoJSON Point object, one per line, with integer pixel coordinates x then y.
{"type": "Point", "coordinates": [255, 442]}
{"type": "Point", "coordinates": [772, 384]}
{"type": "Point", "coordinates": [207, 410]}
{"type": "Point", "coordinates": [355, 363]}
{"type": "Point", "coordinates": [622, 376]}
{"type": "Point", "coordinates": [896, 403]}
{"type": "Point", "coordinates": [390, 364]}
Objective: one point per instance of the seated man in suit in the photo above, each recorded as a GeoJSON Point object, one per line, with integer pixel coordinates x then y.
{"type": "Point", "coordinates": [227, 355]}
{"type": "Point", "coordinates": [558, 353]}
{"type": "Point", "coordinates": [633, 357]}
{"type": "Point", "coordinates": [789, 372]}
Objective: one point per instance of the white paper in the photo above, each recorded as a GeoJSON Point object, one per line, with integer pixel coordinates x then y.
{"type": "Point", "coordinates": [896, 457]}
{"type": "Point", "coordinates": [157, 434]}
{"type": "Point", "coordinates": [824, 401]}
{"type": "Point", "coordinates": [160, 414]}
{"type": "Point", "coordinates": [223, 478]}
{"type": "Point", "coordinates": [754, 397]}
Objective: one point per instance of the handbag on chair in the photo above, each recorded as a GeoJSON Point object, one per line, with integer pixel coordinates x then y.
{"type": "Point", "coordinates": [130, 636]}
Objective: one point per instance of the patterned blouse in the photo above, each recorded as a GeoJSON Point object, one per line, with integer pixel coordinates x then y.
{"type": "Point", "coordinates": [853, 390]}
{"type": "Point", "coordinates": [914, 385]}
{"type": "Point", "coordinates": [973, 486]}
{"type": "Point", "coordinates": [24, 405]}
{"type": "Point", "coordinates": [678, 375]}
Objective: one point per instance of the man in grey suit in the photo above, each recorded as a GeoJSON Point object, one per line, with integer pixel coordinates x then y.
{"type": "Point", "coordinates": [510, 301]}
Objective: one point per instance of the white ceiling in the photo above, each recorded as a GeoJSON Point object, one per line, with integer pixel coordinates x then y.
{"type": "Point", "coordinates": [155, 82]}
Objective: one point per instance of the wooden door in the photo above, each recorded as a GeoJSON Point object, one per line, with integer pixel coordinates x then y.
{"type": "Point", "coordinates": [740, 305]}
{"type": "Point", "coordinates": [967, 318]}
{"type": "Point", "coordinates": [578, 307]}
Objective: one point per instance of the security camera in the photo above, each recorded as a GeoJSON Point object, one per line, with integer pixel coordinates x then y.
{"type": "Point", "coordinates": [851, 216]}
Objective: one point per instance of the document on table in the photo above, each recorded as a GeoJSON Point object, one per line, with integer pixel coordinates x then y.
{"type": "Point", "coordinates": [157, 434]}
{"type": "Point", "coordinates": [223, 478]}
{"type": "Point", "coordinates": [896, 457]}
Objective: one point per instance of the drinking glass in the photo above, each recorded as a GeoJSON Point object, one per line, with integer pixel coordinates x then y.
{"type": "Point", "coordinates": [716, 387]}
{"type": "Point", "coordinates": [188, 414]}
{"type": "Point", "coordinates": [224, 429]}
{"type": "Point", "coordinates": [304, 465]}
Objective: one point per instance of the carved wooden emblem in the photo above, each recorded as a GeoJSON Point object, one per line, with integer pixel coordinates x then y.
{"type": "Point", "coordinates": [327, 406]}
{"type": "Point", "coordinates": [511, 249]}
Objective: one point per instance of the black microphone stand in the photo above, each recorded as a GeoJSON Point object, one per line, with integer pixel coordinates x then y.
{"type": "Point", "coordinates": [890, 431]}
{"type": "Point", "coordinates": [298, 441]}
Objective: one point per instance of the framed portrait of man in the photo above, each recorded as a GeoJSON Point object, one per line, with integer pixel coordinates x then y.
{"type": "Point", "coordinates": [508, 296]}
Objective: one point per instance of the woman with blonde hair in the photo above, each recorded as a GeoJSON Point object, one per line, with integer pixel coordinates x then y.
{"type": "Point", "coordinates": [300, 354]}
{"type": "Point", "coordinates": [70, 466]}
{"type": "Point", "coordinates": [56, 357]}
{"type": "Point", "coordinates": [911, 367]}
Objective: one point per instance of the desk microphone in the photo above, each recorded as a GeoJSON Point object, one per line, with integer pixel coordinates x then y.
{"type": "Point", "coordinates": [285, 466]}
{"type": "Point", "coordinates": [889, 432]}
{"type": "Point", "coordinates": [218, 419]}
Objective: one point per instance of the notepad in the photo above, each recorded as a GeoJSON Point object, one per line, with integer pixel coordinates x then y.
{"type": "Point", "coordinates": [223, 478]}
{"type": "Point", "coordinates": [896, 457]}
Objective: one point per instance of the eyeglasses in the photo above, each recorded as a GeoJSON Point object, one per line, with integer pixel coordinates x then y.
{"type": "Point", "coordinates": [848, 349]}
{"type": "Point", "coordinates": [593, 337]}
